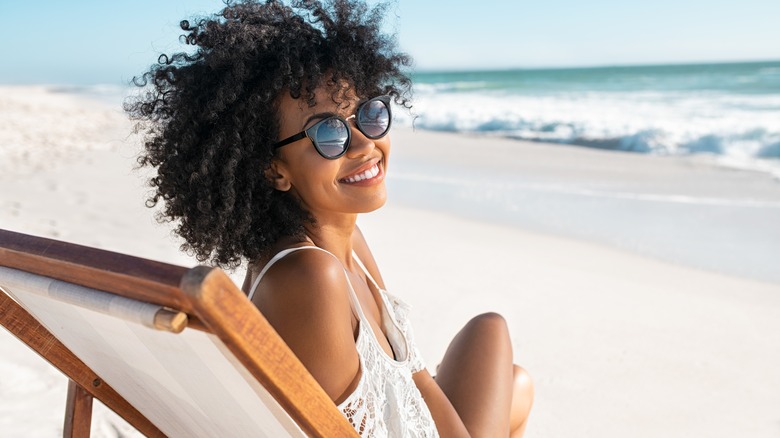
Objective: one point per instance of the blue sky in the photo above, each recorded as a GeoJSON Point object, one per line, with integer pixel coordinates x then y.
{"type": "Point", "coordinates": [90, 41]}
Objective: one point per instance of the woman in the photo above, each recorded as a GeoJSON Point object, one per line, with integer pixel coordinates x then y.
{"type": "Point", "coordinates": [268, 141]}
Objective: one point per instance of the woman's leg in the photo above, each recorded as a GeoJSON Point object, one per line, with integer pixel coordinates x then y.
{"type": "Point", "coordinates": [522, 401]}
{"type": "Point", "coordinates": [476, 374]}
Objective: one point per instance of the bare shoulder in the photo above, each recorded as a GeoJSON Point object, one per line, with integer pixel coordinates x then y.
{"type": "Point", "coordinates": [305, 297]}
{"type": "Point", "coordinates": [296, 275]}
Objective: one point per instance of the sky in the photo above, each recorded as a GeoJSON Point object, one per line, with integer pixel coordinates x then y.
{"type": "Point", "coordinates": [90, 42]}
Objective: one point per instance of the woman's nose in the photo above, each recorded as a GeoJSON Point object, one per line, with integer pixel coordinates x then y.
{"type": "Point", "coordinates": [359, 145]}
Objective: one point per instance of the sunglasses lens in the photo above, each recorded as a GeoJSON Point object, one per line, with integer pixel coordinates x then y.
{"type": "Point", "coordinates": [374, 118]}
{"type": "Point", "coordinates": [332, 137]}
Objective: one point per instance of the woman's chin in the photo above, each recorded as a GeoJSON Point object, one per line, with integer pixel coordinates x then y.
{"type": "Point", "coordinates": [375, 204]}
{"type": "Point", "coordinates": [379, 205]}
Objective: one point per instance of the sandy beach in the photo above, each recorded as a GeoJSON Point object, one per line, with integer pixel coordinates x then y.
{"type": "Point", "coordinates": [641, 291]}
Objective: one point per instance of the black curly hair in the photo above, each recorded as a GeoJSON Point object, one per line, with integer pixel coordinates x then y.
{"type": "Point", "coordinates": [210, 116]}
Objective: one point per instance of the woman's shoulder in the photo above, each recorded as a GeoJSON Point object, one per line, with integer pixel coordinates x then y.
{"type": "Point", "coordinates": [305, 297]}
{"type": "Point", "coordinates": [305, 272]}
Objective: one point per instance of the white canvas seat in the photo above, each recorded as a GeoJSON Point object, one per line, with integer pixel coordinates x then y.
{"type": "Point", "coordinates": [176, 352]}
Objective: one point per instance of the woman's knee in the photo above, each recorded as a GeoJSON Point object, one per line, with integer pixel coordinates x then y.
{"type": "Point", "coordinates": [490, 320]}
{"type": "Point", "coordinates": [522, 400]}
{"type": "Point", "coordinates": [485, 334]}
{"type": "Point", "coordinates": [491, 324]}
{"type": "Point", "coordinates": [523, 385]}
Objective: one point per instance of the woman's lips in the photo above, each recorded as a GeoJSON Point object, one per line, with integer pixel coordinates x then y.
{"type": "Point", "coordinates": [369, 175]}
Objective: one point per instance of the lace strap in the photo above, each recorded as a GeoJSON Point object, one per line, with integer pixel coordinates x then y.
{"type": "Point", "coordinates": [275, 259]}
{"type": "Point", "coordinates": [365, 271]}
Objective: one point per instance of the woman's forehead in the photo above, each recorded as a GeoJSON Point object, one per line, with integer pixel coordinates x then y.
{"type": "Point", "coordinates": [330, 99]}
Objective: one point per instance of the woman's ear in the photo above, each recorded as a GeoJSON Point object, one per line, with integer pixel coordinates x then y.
{"type": "Point", "coordinates": [275, 173]}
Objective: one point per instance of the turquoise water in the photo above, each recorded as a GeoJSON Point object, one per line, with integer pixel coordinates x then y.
{"type": "Point", "coordinates": [728, 110]}
{"type": "Point", "coordinates": [746, 78]}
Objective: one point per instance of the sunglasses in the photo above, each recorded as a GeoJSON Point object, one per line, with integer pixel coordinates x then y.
{"type": "Point", "coordinates": [331, 136]}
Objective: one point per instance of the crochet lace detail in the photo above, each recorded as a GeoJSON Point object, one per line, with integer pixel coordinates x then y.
{"type": "Point", "coordinates": [386, 402]}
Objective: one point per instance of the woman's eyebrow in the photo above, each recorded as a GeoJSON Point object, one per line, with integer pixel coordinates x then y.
{"type": "Point", "coordinates": [318, 116]}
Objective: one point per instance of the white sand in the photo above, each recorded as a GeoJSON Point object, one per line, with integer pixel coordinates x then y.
{"type": "Point", "coordinates": [619, 344]}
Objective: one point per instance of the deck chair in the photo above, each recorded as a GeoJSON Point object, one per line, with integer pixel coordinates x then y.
{"type": "Point", "coordinates": [174, 351]}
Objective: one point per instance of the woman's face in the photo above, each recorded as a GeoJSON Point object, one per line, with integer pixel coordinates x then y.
{"type": "Point", "coordinates": [325, 187]}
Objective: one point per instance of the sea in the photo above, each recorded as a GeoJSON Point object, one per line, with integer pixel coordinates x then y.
{"type": "Point", "coordinates": [730, 110]}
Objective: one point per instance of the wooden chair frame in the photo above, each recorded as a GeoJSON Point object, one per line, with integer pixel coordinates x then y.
{"type": "Point", "coordinates": [212, 302]}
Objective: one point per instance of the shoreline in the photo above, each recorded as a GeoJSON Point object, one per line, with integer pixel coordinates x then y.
{"type": "Point", "coordinates": [684, 210]}
{"type": "Point", "coordinates": [600, 328]}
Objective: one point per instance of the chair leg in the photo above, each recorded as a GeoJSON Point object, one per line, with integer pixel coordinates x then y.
{"type": "Point", "coordinates": [78, 412]}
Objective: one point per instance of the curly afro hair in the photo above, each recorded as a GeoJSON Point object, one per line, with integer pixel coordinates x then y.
{"type": "Point", "coordinates": [210, 116]}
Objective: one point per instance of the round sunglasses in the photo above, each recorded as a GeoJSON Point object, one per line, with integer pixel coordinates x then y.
{"type": "Point", "coordinates": [331, 136]}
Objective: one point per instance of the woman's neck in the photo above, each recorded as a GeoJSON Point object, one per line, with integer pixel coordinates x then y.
{"type": "Point", "coordinates": [335, 236]}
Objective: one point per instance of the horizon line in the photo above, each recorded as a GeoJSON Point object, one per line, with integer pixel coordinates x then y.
{"type": "Point", "coordinates": [443, 70]}
{"type": "Point", "coordinates": [592, 66]}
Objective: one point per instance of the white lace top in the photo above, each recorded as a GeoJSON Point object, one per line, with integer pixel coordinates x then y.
{"type": "Point", "coordinates": [386, 402]}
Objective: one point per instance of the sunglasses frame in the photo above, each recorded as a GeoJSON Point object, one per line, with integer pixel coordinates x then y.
{"type": "Point", "coordinates": [312, 130]}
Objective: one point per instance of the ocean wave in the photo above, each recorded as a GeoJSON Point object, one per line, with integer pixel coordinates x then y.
{"type": "Point", "coordinates": [652, 122]}
{"type": "Point", "coordinates": [769, 71]}
{"type": "Point", "coordinates": [728, 111]}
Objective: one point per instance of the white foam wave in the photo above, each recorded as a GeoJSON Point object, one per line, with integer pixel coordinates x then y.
{"type": "Point", "coordinates": [741, 127]}
{"type": "Point", "coordinates": [769, 71]}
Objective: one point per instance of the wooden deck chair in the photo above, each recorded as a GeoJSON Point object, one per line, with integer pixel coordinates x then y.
{"type": "Point", "coordinates": [174, 351]}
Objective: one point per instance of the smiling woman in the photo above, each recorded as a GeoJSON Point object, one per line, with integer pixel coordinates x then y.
{"type": "Point", "coordinates": [268, 142]}
{"type": "Point", "coordinates": [212, 115]}
{"type": "Point", "coordinates": [353, 184]}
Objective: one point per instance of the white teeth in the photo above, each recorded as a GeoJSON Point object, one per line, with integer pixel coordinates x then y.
{"type": "Point", "coordinates": [370, 173]}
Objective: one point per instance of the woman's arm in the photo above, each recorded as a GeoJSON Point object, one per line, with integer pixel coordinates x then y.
{"type": "Point", "coordinates": [448, 423]}
{"type": "Point", "coordinates": [305, 298]}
